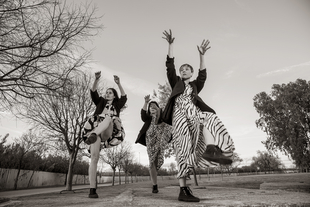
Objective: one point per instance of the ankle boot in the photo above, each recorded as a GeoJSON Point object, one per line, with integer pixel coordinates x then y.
{"type": "Point", "coordinates": [155, 189]}
{"type": "Point", "coordinates": [214, 154]}
{"type": "Point", "coordinates": [92, 193]}
{"type": "Point", "coordinates": [186, 195]}
{"type": "Point", "coordinates": [91, 139]}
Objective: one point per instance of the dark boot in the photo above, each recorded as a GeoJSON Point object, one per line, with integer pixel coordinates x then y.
{"type": "Point", "coordinates": [214, 153]}
{"type": "Point", "coordinates": [155, 189]}
{"type": "Point", "coordinates": [91, 139]}
{"type": "Point", "coordinates": [186, 195]}
{"type": "Point", "coordinates": [92, 193]}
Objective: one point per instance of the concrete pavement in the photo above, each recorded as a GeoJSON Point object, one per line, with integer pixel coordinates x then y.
{"type": "Point", "coordinates": [35, 191]}
{"type": "Point", "coordinates": [212, 192]}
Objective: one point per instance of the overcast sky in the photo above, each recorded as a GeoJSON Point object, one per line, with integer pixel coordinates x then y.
{"type": "Point", "coordinates": [254, 44]}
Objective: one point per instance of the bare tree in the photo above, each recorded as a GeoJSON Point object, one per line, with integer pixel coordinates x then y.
{"type": "Point", "coordinates": [113, 156]}
{"type": "Point", "coordinates": [27, 143]}
{"type": "Point", "coordinates": [40, 45]}
{"type": "Point", "coordinates": [61, 117]}
{"type": "Point", "coordinates": [266, 161]}
{"type": "Point", "coordinates": [126, 164]}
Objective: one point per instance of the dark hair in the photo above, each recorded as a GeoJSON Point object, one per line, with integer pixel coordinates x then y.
{"type": "Point", "coordinates": [154, 102]}
{"type": "Point", "coordinates": [188, 65]}
{"type": "Point", "coordinates": [116, 98]}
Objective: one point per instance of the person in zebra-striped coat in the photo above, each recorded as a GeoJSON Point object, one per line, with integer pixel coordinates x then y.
{"type": "Point", "coordinates": [199, 137]}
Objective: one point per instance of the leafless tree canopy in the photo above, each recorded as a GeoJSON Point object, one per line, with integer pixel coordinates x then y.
{"type": "Point", "coordinates": [40, 44]}
{"type": "Point", "coordinates": [115, 156]}
{"type": "Point", "coordinates": [61, 116]}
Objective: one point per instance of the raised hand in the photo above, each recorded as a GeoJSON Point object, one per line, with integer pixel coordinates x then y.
{"type": "Point", "coordinates": [116, 79]}
{"type": "Point", "coordinates": [147, 98]}
{"type": "Point", "coordinates": [98, 75]}
{"type": "Point", "coordinates": [203, 47]}
{"type": "Point", "coordinates": [168, 36]}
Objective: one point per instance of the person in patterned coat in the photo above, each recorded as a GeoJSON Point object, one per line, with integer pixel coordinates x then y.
{"type": "Point", "coordinates": [155, 135]}
{"type": "Point", "coordinates": [104, 128]}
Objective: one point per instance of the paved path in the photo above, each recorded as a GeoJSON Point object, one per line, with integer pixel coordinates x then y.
{"type": "Point", "coordinates": [139, 194]}
{"type": "Point", "coordinates": [35, 191]}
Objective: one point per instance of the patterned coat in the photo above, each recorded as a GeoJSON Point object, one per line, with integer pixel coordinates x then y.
{"type": "Point", "coordinates": [147, 119]}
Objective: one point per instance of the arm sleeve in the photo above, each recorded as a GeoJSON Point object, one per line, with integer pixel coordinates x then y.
{"type": "Point", "coordinates": [171, 73]}
{"type": "Point", "coordinates": [95, 96]}
{"type": "Point", "coordinates": [144, 116]}
{"type": "Point", "coordinates": [201, 79]}
{"type": "Point", "coordinates": [122, 101]}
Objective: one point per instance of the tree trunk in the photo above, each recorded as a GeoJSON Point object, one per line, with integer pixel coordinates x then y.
{"type": "Point", "coordinates": [69, 177]}
{"type": "Point", "coordinates": [16, 180]}
{"type": "Point", "coordinates": [119, 176]}
{"type": "Point", "coordinates": [208, 174]}
{"type": "Point", "coordinates": [195, 177]}
{"type": "Point", "coordinates": [113, 176]}
{"type": "Point", "coordinates": [30, 179]}
{"type": "Point", "coordinates": [70, 172]}
{"type": "Point", "coordinates": [222, 173]}
{"type": "Point", "coordinates": [18, 172]}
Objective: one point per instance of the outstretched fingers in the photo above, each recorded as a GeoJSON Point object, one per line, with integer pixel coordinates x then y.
{"type": "Point", "coordinates": [147, 98]}
{"type": "Point", "coordinates": [205, 44]}
{"type": "Point", "coordinates": [168, 36]}
{"type": "Point", "coordinates": [204, 47]}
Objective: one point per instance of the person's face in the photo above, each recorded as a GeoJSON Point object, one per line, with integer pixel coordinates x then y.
{"type": "Point", "coordinates": [109, 95]}
{"type": "Point", "coordinates": [185, 72]}
{"type": "Point", "coordinates": [153, 108]}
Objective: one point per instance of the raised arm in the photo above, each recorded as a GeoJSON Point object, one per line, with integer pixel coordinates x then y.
{"type": "Point", "coordinates": [118, 82]}
{"type": "Point", "coordinates": [202, 50]}
{"type": "Point", "coordinates": [95, 84]}
{"type": "Point", "coordinates": [170, 39]}
{"type": "Point", "coordinates": [202, 74]}
{"type": "Point", "coordinates": [144, 115]}
{"type": "Point", "coordinates": [146, 101]}
{"type": "Point", "coordinates": [171, 73]}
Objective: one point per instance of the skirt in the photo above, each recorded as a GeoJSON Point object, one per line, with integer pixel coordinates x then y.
{"type": "Point", "coordinates": [118, 133]}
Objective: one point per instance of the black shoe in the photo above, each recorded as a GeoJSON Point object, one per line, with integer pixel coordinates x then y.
{"type": "Point", "coordinates": [91, 139]}
{"type": "Point", "coordinates": [214, 154]}
{"type": "Point", "coordinates": [186, 195]}
{"type": "Point", "coordinates": [92, 193]}
{"type": "Point", "coordinates": [155, 189]}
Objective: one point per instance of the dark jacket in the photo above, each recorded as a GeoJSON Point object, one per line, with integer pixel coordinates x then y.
{"type": "Point", "coordinates": [147, 119]}
{"type": "Point", "coordinates": [100, 103]}
{"type": "Point", "coordinates": [178, 87]}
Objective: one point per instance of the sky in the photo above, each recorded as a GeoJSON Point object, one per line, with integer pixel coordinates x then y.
{"type": "Point", "coordinates": [254, 44]}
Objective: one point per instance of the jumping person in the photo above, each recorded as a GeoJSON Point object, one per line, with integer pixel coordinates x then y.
{"type": "Point", "coordinates": [104, 126]}
{"type": "Point", "coordinates": [155, 135]}
{"type": "Point", "coordinates": [198, 136]}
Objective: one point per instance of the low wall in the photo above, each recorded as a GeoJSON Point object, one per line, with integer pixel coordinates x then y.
{"type": "Point", "coordinates": [31, 179]}
{"type": "Point", "coordinates": [35, 179]}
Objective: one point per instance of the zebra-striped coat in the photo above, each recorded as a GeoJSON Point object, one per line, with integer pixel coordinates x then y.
{"type": "Point", "coordinates": [178, 87]}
